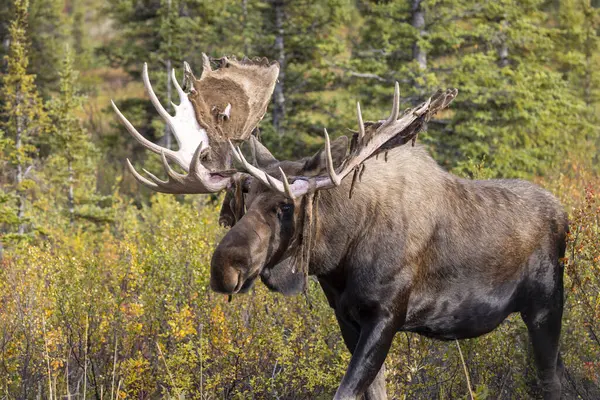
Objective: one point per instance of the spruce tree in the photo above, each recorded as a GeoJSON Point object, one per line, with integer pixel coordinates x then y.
{"type": "Point", "coordinates": [514, 108]}
{"type": "Point", "coordinates": [577, 59]}
{"type": "Point", "coordinates": [23, 120]}
{"type": "Point", "coordinates": [46, 33]}
{"type": "Point", "coordinates": [70, 167]}
{"type": "Point", "coordinates": [305, 39]}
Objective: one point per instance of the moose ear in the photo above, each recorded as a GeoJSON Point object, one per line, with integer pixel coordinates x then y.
{"type": "Point", "coordinates": [261, 156]}
{"type": "Point", "coordinates": [233, 207]}
{"type": "Point", "coordinates": [318, 162]}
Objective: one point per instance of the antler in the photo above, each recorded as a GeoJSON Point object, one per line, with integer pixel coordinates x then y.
{"type": "Point", "coordinates": [192, 141]}
{"type": "Point", "coordinates": [390, 133]}
{"type": "Point", "coordinates": [275, 184]}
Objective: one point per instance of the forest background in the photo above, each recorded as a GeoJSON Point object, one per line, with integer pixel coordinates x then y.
{"type": "Point", "coordinates": [104, 285]}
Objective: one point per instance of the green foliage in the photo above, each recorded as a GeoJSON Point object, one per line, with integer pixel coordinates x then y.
{"type": "Point", "coordinates": [68, 139]}
{"type": "Point", "coordinates": [71, 165]}
{"type": "Point", "coordinates": [515, 106]}
{"type": "Point", "coordinates": [520, 118]}
{"type": "Point", "coordinates": [23, 118]}
{"type": "Point", "coordinates": [47, 34]}
{"type": "Point", "coordinates": [474, 170]}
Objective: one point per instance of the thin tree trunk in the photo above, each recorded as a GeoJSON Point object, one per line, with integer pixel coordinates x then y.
{"type": "Point", "coordinates": [503, 49]}
{"type": "Point", "coordinates": [67, 376]}
{"type": "Point", "coordinates": [19, 177]}
{"type": "Point", "coordinates": [278, 94]}
{"type": "Point", "coordinates": [587, 88]}
{"type": "Point", "coordinates": [587, 85]}
{"type": "Point", "coordinates": [167, 130]}
{"type": "Point", "coordinates": [70, 195]}
{"type": "Point", "coordinates": [418, 22]}
{"type": "Point", "coordinates": [245, 17]}
{"type": "Point", "coordinates": [169, 83]}
{"type": "Point", "coordinates": [85, 356]}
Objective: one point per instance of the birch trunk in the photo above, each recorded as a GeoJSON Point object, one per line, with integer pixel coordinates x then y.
{"type": "Point", "coordinates": [418, 22]}
{"type": "Point", "coordinates": [278, 94]}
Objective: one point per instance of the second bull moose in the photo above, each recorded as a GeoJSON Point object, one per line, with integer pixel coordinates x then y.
{"type": "Point", "coordinates": [397, 243]}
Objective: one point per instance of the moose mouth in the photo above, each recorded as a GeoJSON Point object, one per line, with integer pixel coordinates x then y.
{"type": "Point", "coordinates": [244, 285]}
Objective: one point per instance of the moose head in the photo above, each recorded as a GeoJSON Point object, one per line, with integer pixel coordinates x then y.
{"type": "Point", "coordinates": [268, 203]}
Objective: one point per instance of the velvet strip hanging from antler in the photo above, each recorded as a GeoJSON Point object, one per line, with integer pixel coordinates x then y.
{"type": "Point", "coordinates": [306, 241]}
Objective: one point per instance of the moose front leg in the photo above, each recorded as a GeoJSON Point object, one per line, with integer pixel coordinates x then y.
{"type": "Point", "coordinates": [351, 333]}
{"type": "Point", "coordinates": [367, 359]}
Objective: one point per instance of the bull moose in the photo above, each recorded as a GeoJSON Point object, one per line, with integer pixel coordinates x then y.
{"type": "Point", "coordinates": [401, 246]}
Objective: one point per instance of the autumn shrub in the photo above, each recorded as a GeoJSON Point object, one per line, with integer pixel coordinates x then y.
{"type": "Point", "coordinates": [124, 310]}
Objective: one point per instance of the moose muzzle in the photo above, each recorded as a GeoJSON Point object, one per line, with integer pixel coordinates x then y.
{"type": "Point", "coordinates": [240, 256]}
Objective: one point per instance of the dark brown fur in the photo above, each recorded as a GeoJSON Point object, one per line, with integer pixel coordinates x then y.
{"type": "Point", "coordinates": [415, 249]}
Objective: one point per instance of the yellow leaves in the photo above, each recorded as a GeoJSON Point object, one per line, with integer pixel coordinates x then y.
{"type": "Point", "coordinates": [218, 326]}
{"type": "Point", "coordinates": [137, 377]}
{"type": "Point", "coordinates": [56, 364]}
{"type": "Point", "coordinates": [182, 323]}
{"type": "Point", "coordinates": [132, 310]}
{"type": "Point", "coordinates": [54, 339]}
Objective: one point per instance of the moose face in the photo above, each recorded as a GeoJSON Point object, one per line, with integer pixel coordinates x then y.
{"type": "Point", "coordinates": [257, 242]}
{"type": "Point", "coordinates": [265, 239]}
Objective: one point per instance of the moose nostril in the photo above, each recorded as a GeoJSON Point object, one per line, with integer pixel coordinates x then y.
{"type": "Point", "coordinates": [224, 280]}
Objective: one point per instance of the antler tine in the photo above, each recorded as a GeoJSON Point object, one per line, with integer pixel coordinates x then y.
{"type": "Point", "coordinates": [159, 182]}
{"type": "Point", "coordinates": [424, 108]}
{"type": "Point", "coordinates": [361, 125]}
{"type": "Point", "coordinates": [137, 136]}
{"type": "Point", "coordinates": [140, 178]}
{"type": "Point", "coordinates": [286, 185]}
{"type": "Point", "coordinates": [396, 105]}
{"type": "Point", "coordinates": [155, 102]}
{"type": "Point", "coordinates": [206, 68]}
{"type": "Point", "coordinates": [252, 170]}
{"type": "Point", "coordinates": [145, 142]}
{"type": "Point", "coordinates": [188, 77]}
{"type": "Point", "coordinates": [273, 183]}
{"type": "Point", "coordinates": [180, 91]}
{"type": "Point", "coordinates": [170, 171]}
{"type": "Point", "coordinates": [330, 168]}
{"type": "Point", "coordinates": [196, 165]}
{"type": "Point", "coordinates": [259, 174]}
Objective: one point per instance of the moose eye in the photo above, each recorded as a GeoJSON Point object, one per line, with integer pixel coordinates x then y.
{"type": "Point", "coordinates": [285, 208]}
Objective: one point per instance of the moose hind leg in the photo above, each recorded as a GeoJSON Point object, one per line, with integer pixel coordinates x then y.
{"type": "Point", "coordinates": [376, 390]}
{"type": "Point", "coordinates": [544, 326]}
